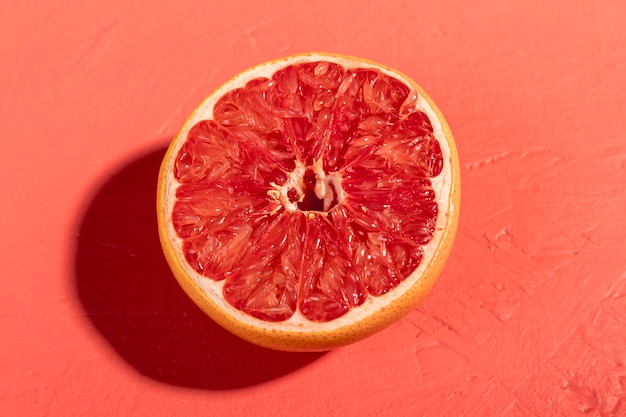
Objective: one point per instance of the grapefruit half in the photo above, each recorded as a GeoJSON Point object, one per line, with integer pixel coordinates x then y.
{"type": "Point", "coordinates": [310, 201]}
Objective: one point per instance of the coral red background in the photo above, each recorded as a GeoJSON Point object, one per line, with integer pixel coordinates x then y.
{"type": "Point", "coordinates": [528, 319]}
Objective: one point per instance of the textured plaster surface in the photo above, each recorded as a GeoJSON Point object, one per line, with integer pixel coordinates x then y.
{"type": "Point", "coordinates": [528, 319]}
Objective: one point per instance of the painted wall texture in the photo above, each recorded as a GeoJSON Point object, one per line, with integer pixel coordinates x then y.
{"type": "Point", "coordinates": [528, 319]}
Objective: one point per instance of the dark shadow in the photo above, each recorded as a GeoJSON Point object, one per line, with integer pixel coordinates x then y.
{"type": "Point", "coordinates": [133, 300]}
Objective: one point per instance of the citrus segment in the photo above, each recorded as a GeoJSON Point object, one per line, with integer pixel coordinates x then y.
{"type": "Point", "coordinates": [301, 195]}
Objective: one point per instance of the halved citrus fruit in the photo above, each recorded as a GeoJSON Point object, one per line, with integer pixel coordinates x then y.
{"type": "Point", "coordinates": [310, 201]}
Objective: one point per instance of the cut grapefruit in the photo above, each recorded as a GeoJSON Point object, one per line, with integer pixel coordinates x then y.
{"type": "Point", "coordinates": [310, 201]}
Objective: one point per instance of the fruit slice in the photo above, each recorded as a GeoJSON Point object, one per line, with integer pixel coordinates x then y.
{"type": "Point", "coordinates": [310, 201]}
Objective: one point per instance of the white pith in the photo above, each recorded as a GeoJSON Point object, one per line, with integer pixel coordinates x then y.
{"type": "Point", "coordinates": [442, 185]}
{"type": "Point", "coordinates": [327, 187]}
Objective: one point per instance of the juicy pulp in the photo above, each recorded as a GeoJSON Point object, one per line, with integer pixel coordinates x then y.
{"type": "Point", "coordinates": [308, 191]}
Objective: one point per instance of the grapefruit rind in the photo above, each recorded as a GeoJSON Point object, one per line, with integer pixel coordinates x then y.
{"type": "Point", "coordinates": [297, 333]}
